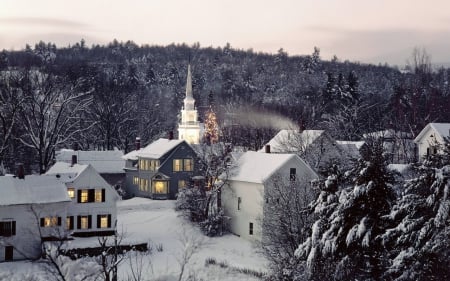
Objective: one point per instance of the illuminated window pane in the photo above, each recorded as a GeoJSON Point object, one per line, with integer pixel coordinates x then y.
{"type": "Point", "coordinates": [84, 222]}
{"type": "Point", "coordinates": [181, 184]}
{"type": "Point", "coordinates": [136, 180]}
{"type": "Point", "coordinates": [188, 165]}
{"type": "Point", "coordinates": [143, 185]}
{"type": "Point", "coordinates": [84, 196]}
{"type": "Point", "coordinates": [160, 187]}
{"type": "Point", "coordinates": [68, 224]}
{"type": "Point", "coordinates": [71, 192]}
{"type": "Point", "coordinates": [177, 165]}
{"type": "Point", "coordinates": [50, 221]}
{"type": "Point", "coordinates": [98, 195]}
{"type": "Point", "coordinates": [104, 221]}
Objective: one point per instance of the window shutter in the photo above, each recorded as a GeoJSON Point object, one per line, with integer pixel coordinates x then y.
{"type": "Point", "coordinates": [59, 221]}
{"type": "Point", "coordinates": [13, 231]}
{"type": "Point", "coordinates": [91, 195]}
{"type": "Point", "coordinates": [90, 221]}
{"type": "Point", "coordinates": [42, 222]}
{"type": "Point", "coordinates": [98, 221]}
{"type": "Point", "coordinates": [1, 229]}
{"type": "Point", "coordinates": [103, 195]}
{"type": "Point", "coordinates": [109, 221]}
{"type": "Point", "coordinates": [79, 222]}
{"type": "Point", "coordinates": [79, 196]}
{"type": "Point", "coordinates": [71, 222]}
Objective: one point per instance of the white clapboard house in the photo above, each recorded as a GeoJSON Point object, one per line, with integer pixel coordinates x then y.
{"type": "Point", "coordinates": [247, 181]}
{"type": "Point", "coordinates": [32, 210]}
{"type": "Point", "coordinates": [92, 211]}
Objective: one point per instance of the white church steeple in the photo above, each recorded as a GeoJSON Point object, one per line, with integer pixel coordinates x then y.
{"type": "Point", "coordinates": [189, 127]}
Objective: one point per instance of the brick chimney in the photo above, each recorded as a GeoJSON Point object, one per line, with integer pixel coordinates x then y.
{"type": "Point", "coordinates": [20, 171]}
{"type": "Point", "coordinates": [267, 148]}
{"type": "Point", "coordinates": [137, 143]}
{"type": "Point", "coordinates": [74, 159]}
{"type": "Point", "coordinates": [170, 135]}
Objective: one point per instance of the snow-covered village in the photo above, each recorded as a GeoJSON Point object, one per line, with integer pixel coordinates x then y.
{"type": "Point", "coordinates": [167, 140]}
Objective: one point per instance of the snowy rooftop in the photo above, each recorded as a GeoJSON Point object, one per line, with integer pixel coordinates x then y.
{"type": "Point", "coordinates": [104, 162]}
{"type": "Point", "coordinates": [66, 171]}
{"type": "Point", "coordinates": [442, 129]}
{"type": "Point", "coordinates": [155, 150]}
{"type": "Point", "coordinates": [257, 167]}
{"type": "Point", "coordinates": [389, 134]}
{"type": "Point", "coordinates": [31, 190]}
{"type": "Point", "coordinates": [292, 140]}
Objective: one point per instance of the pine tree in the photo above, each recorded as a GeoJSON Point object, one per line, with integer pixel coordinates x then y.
{"type": "Point", "coordinates": [419, 240]}
{"type": "Point", "coordinates": [345, 239]}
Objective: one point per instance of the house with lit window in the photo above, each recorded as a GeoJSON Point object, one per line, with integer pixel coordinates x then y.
{"type": "Point", "coordinates": [108, 163]}
{"type": "Point", "coordinates": [431, 139]}
{"type": "Point", "coordinates": [160, 169]}
{"type": "Point", "coordinates": [32, 210]}
{"type": "Point", "coordinates": [92, 211]}
{"type": "Point", "coordinates": [249, 184]}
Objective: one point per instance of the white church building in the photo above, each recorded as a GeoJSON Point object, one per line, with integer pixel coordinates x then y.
{"type": "Point", "coordinates": [189, 128]}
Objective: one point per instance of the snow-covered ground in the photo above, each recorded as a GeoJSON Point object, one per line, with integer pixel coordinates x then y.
{"type": "Point", "coordinates": [170, 236]}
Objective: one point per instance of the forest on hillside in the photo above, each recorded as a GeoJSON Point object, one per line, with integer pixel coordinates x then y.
{"type": "Point", "coordinates": [103, 97]}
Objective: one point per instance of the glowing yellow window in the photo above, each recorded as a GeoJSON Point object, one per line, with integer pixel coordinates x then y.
{"type": "Point", "coordinates": [177, 165]}
{"type": "Point", "coordinates": [159, 187]}
{"type": "Point", "coordinates": [84, 222]}
{"type": "Point", "coordinates": [98, 195]}
{"type": "Point", "coordinates": [71, 192]}
{"type": "Point", "coordinates": [188, 165]}
{"type": "Point", "coordinates": [136, 180]}
{"type": "Point", "coordinates": [103, 221]}
{"type": "Point", "coordinates": [84, 196]}
{"type": "Point", "coordinates": [181, 184]}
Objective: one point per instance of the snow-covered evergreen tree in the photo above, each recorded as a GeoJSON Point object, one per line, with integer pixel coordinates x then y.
{"type": "Point", "coordinates": [419, 240]}
{"type": "Point", "coordinates": [345, 241]}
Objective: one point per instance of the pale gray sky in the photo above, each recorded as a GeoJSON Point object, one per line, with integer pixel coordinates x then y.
{"type": "Point", "coordinates": [363, 30]}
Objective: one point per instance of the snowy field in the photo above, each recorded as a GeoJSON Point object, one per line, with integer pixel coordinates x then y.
{"type": "Point", "coordinates": [171, 238]}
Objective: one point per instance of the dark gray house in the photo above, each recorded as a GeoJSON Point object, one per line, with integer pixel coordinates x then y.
{"type": "Point", "coordinates": [160, 169]}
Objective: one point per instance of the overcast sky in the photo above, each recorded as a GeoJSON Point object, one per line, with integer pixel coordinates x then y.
{"type": "Point", "coordinates": [359, 30]}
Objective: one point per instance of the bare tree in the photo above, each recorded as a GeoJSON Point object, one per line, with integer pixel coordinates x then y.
{"type": "Point", "coordinates": [190, 245]}
{"type": "Point", "coordinates": [49, 113]}
{"type": "Point", "coordinates": [420, 61]}
{"type": "Point", "coordinates": [10, 102]}
{"type": "Point", "coordinates": [286, 221]}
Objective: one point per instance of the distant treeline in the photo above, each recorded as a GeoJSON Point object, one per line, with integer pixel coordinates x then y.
{"type": "Point", "coordinates": [102, 97]}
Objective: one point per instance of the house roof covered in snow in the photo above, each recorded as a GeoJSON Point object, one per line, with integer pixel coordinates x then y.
{"type": "Point", "coordinates": [155, 150]}
{"type": "Point", "coordinates": [104, 162]}
{"type": "Point", "coordinates": [32, 189]}
{"type": "Point", "coordinates": [351, 147]}
{"type": "Point", "coordinates": [67, 172]}
{"type": "Point", "coordinates": [442, 130]}
{"type": "Point", "coordinates": [389, 134]}
{"type": "Point", "coordinates": [292, 140]}
{"type": "Point", "coordinates": [257, 167]}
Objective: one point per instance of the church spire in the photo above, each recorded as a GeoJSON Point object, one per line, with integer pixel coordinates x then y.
{"type": "Point", "coordinates": [189, 100]}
